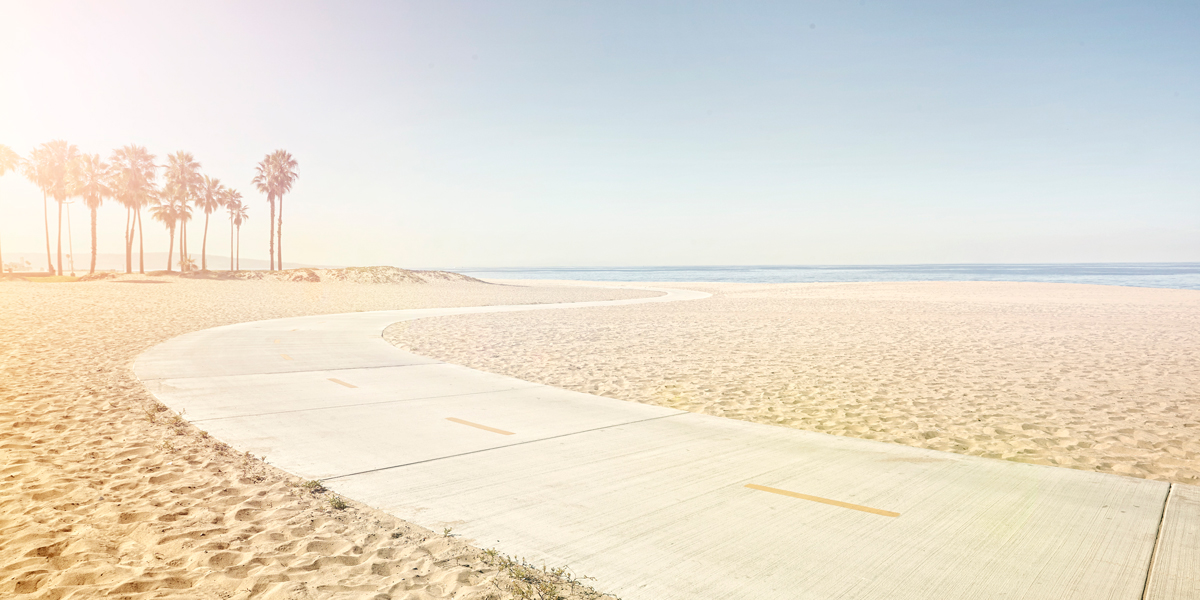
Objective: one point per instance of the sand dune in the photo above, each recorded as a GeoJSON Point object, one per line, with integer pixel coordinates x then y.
{"type": "Point", "coordinates": [106, 493]}
{"type": "Point", "coordinates": [1088, 377]}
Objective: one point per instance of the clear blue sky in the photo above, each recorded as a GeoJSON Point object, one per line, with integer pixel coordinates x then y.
{"type": "Point", "coordinates": [448, 134]}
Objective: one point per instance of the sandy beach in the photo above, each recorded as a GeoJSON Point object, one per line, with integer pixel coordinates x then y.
{"type": "Point", "coordinates": [1099, 378]}
{"type": "Point", "coordinates": [107, 493]}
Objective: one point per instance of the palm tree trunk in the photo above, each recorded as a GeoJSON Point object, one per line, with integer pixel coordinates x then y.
{"type": "Point", "coordinates": [59, 241]}
{"type": "Point", "coordinates": [171, 247]}
{"type": "Point", "coordinates": [231, 242]}
{"type": "Point", "coordinates": [271, 201]}
{"type": "Point", "coordinates": [46, 219]}
{"type": "Point", "coordinates": [182, 245]}
{"type": "Point", "coordinates": [279, 234]}
{"type": "Point", "coordinates": [204, 246]}
{"type": "Point", "coordinates": [128, 239]}
{"type": "Point", "coordinates": [70, 243]}
{"type": "Point", "coordinates": [92, 269]}
{"type": "Point", "coordinates": [238, 252]}
{"type": "Point", "coordinates": [141, 243]}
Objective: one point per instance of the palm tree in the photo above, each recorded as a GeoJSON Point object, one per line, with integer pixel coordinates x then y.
{"type": "Point", "coordinates": [167, 212]}
{"type": "Point", "coordinates": [133, 185]}
{"type": "Point", "coordinates": [37, 170]}
{"type": "Point", "coordinates": [184, 215]}
{"type": "Point", "coordinates": [119, 185]}
{"type": "Point", "coordinates": [263, 180]}
{"type": "Point", "coordinates": [90, 182]}
{"type": "Point", "coordinates": [70, 239]}
{"type": "Point", "coordinates": [231, 199]}
{"type": "Point", "coordinates": [211, 197]}
{"type": "Point", "coordinates": [182, 182]}
{"type": "Point", "coordinates": [237, 216]}
{"type": "Point", "coordinates": [60, 157]}
{"type": "Point", "coordinates": [9, 161]}
{"type": "Point", "coordinates": [173, 211]}
{"type": "Point", "coordinates": [283, 176]}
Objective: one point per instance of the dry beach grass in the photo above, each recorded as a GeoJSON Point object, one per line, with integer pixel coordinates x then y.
{"type": "Point", "coordinates": [106, 493]}
{"type": "Point", "coordinates": [1088, 377]}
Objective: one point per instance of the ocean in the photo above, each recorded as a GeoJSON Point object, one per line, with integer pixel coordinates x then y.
{"type": "Point", "coordinates": [1157, 275]}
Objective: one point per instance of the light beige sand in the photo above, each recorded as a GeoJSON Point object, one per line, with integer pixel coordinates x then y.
{"type": "Point", "coordinates": [1088, 377]}
{"type": "Point", "coordinates": [104, 494]}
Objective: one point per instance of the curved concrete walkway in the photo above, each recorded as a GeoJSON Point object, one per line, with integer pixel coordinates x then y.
{"type": "Point", "coordinates": [656, 503]}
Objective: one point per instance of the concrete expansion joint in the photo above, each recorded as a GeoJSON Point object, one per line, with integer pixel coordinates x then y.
{"type": "Point", "coordinates": [344, 406]}
{"type": "Point", "coordinates": [523, 443]}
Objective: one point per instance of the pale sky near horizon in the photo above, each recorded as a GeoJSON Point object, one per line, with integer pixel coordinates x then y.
{"type": "Point", "coordinates": [452, 134]}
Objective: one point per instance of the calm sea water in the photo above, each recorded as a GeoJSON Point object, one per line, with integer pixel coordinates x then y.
{"type": "Point", "coordinates": [1159, 275]}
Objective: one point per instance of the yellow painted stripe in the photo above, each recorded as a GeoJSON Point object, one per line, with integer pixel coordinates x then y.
{"type": "Point", "coordinates": [483, 427]}
{"type": "Point", "coordinates": [276, 341]}
{"type": "Point", "coordinates": [874, 511]}
{"type": "Point", "coordinates": [340, 382]}
{"type": "Point", "coordinates": [286, 357]}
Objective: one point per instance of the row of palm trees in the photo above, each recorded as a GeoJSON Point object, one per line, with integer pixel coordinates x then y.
{"type": "Point", "coordinates": [274, 177]}
{"type": "Point", "coordinates": [130, 177]}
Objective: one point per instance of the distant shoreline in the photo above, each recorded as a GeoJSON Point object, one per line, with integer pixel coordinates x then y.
{"type": "Point", "coordinates": [1181, 275]}
{"type": "Point", "coordinates": [1152, 275]}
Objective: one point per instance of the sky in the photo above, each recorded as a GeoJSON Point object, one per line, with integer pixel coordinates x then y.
{"type": "Point", "coordinates": [474, 134]}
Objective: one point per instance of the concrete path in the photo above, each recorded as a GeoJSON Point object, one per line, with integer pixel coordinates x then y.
{"type": "Point", "coordinates": [656, 503]}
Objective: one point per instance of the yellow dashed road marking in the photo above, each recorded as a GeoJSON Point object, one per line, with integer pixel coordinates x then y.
{"type": "Point", "coordinates": [340, 382]}
{"type": "Point", "coordinates": [874, 511]}
{"type": "Point", "coordinates": [477, 425]}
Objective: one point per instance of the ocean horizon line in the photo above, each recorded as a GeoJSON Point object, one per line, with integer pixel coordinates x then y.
{"type": "Point", "coordinates": [1175, 275]}
{"type": "Point", "coordinates": [803, 266]}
